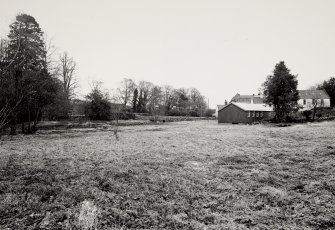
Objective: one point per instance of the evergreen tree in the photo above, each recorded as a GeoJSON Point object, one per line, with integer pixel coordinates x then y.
{"type": "Point", "coordinates": [27, 80]}
{"type": "Point", "coordinates": [140, 105]}
{"type": "Point", "coordinates": [280, 91]}
{"type": "Point", "coordinates": [329, 87]}
{"type": "Point", "coordinates": [98, 106]}
{"type": "Point", "coordinates": [135, 100]}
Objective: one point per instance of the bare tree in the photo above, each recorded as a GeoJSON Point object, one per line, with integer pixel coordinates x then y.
{"type": "Point", "coordinates": [50, 59]}
{"type": "Point", "coordinates": [144, 94]}
{"type": "Point", "coordinates": [317, 102]}
{"type": "Point", "coordinates": [117, 113]}
{"type": "Point", "coordinates": [3, 45]}
{"type": "Point", "coordinates": [197, 101]}
{"type": "Point", "coordinates": [156, 98]}
{"type": "Point", "coordinates": [167, 94]}
{"type": "Point", "coordinates": [125, 91]}
{"type": "Point", "coordinates": [68, 69]}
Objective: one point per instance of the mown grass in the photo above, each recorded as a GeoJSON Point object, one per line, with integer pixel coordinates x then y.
{"type": "Point", "coordinates": [184, 175]}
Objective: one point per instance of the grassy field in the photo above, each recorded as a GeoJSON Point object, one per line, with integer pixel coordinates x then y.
{"type": "Point", "coordinates": [182, 175]}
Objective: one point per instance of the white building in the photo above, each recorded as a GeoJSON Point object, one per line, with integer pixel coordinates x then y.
{"type": "Point", "coordinates": [309, 98]}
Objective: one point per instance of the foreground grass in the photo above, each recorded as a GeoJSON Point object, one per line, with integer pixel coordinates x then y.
{"type": "Point", "coordinates": [187, 175]}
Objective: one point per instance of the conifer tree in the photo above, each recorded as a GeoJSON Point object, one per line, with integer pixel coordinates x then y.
{"type": "Point", "coordinates": [135, 100]}
{"type": "Point", "coordinates": [280, 91]}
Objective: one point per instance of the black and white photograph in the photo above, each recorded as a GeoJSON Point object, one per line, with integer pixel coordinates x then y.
{"type": "Point", "coordinates": [167, 114]}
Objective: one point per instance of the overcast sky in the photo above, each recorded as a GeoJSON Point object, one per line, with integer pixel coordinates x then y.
{"type": "Point", "coordinates": [220, 47]}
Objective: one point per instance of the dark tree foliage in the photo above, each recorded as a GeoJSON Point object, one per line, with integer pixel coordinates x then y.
{"type": "Point", "coordinates": [61, 107]}
{"type": "Point", "coordinates": [329, 87]}
{"type": "Point", "coordinates": [141, 102]}
{"type": "Point", "coordinates": [135, 100]}
{"type": "Point", "coordinates": [26, 85]}
{"type": "Point", "coordinates": [209, 112]}
{"type": "Point", "coordinates": [280, 91]}
{"type": "Point", "coordinates": [98, 106]}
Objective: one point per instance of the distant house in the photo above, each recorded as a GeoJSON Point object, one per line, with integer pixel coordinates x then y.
{"type": "Point", "coordinates": [244, 113]}
{"type": "Point", "coordinates": [309, 98]}
{"type": "Point", "coordinates": [249, 99]}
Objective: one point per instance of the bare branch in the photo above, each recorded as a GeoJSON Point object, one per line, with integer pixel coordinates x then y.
{"type": "Point", "coordinates": [68, 69]}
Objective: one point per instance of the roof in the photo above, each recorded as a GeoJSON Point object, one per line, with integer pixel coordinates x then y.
{"type": "Point", "coordinates": [254, 97]}
{"type": "Point", "coordinates": [249, 96]}
{"type": "Point", "coordinates": [313, 94]}
{"type": "Point", "coordinates": [221, 106]}
{"type": "Point", "coordinates": [252, 107]}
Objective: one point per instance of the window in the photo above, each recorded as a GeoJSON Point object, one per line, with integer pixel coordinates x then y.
{"type": "Point", "coordinates": [249, 114]}
{"type": "Point", "coordinates": [257, 114]}
{"type": "Point", "coordinates": [304, 101]}
{"type": "Point", "coordinates": [261, 114]}
{"type": "Point", "coordinates": [322, 102]}
{"type": "Point", "coordinates": [253, 114]}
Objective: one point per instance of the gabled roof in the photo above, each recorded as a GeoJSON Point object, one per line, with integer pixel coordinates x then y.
{"type": "Point", "coordinates": [313, 94]}
{"type": "Point", "coordinates": [252, 107]}
{"type": "Point", "coordinates": [221, 106]}
{"type": "Point", "coordinates": [242, 98]}
{"type": "Point", "coordinates": [249, 96]}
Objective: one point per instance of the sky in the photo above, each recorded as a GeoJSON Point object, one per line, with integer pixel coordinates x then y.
{"type": "Point", "coordinates": [220, 47]}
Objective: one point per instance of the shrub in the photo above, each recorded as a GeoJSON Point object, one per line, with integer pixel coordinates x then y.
{"type": "Point", "coordinates": [307, 114]}
{"type": "Point", "coordinates": [175, 112]}
{"type": "Point", "coordinates": [98, 106]}
{"type": "Point", "coordinates": [209, 112]}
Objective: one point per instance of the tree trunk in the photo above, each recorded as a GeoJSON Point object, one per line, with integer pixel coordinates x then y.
{"type": "Point", "coordinates": [314, 112]}
{"type": "Point", "coordinates": [12, 129]}
{"type": "Point", "coordinates": [29, 127]}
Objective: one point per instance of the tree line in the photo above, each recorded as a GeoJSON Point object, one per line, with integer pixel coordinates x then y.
{"type": "Point", "coordinates": [35, 84]}
{"type": "Point", "coordinates": [147, 98]}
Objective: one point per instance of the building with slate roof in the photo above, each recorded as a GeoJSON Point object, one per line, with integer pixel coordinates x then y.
{"type": "Point", "coordinates": [236, 112]}
{"type": "Point", "coordinates": [309, 98]}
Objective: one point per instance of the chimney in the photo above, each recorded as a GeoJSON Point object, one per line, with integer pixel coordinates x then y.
{"type": "Point", "coordinates": [252, 99]}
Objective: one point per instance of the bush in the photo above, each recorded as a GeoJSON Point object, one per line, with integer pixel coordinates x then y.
{"type": "Point", "coordinates": [175, 112]}
{"type": "Point", "coordinates": [123, 116]}
{"type": "Point", "coordinates": [98, 110]}
{"type": "Point", "coordinates": [307, 114]}
{"type": "Point", "coordinates": [194, 113]}
{"type": "Point", "coordinates": [97, 106]}
{"type": "Point", "coordinates": [209, 112]}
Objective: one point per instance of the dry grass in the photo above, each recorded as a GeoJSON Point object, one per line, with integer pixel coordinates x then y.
{"type": "Point", "coordinates": [183, 175]}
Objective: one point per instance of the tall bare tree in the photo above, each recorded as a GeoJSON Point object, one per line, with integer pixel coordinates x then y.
{"type": "Point", "coordinates": [51, 61]}
{"type": "Point", "coordinates": [156, 98]}
{"type": "Point", "coordinates": [68, 69]}
{"type": "Point", "coordinates": [197, 101]}
{"type": "Point", "coordinates": [144, 94]}
{"type": "Point", "coordinates": [167, 92]}
{"type": "Point", "coordinates": [125, 91]}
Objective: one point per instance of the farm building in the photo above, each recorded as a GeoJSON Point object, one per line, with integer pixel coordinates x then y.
{"type": "Point", "coordinates": [244, 113]}
{"type": "Point", "coordinates": [309, 98]}
{"type": "Point", "coordinates": [250, 99]}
